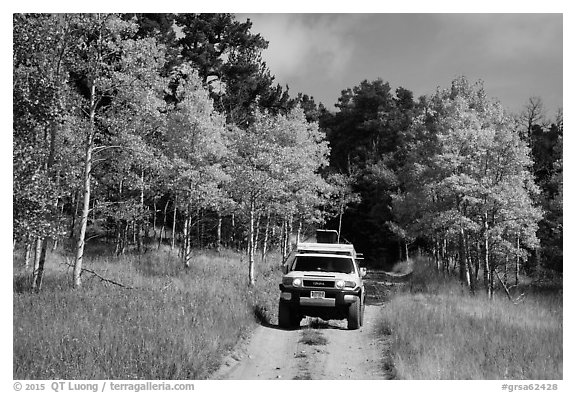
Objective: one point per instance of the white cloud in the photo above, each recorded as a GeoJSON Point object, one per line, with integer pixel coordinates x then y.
{"type": "Point", "coordinates": [302, 41]}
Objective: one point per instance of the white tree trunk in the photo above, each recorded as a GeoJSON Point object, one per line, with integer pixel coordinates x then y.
{"type": "Point", "coordinates": [37, 252]}
{"type": "Point", "coordinates": [487, 267]}
{"type": "Point", "coordinates": [340, 223]}
{"type": "Point", "coordinates": [256, 232]}
{"type": "Point", "coordinates": [219, 233]}
{"type": "Point", "coordinates": [517, 266]}
{"type": "Point", "coordinates": [77, 282]}
{"type": "Point", "coordinates": [266, 230]}
{"type": "Point", "coordinates": [27, 254]}
{"type": "Point", "coordinates": [299, 231]}
{"type": "Point", "coordinates": [251, 277]}
{"type": "Point", "coordinates": [174, 223]}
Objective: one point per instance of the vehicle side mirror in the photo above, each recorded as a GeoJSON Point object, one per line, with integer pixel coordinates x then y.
{"type": "Point", "coordinates": [362, 271]}
{"type": "Point", "coordinates": [285, 268]}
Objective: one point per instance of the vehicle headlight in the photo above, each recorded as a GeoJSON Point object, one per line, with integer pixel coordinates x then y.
{"type": "Point", "coordinates": [340, 284]}
{"type": "Point", "coordinates": [349, 284]}
{"type": "Point", "coordinates": [297, 282]}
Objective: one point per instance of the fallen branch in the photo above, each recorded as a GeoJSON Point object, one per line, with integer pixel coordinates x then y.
{"type": "Point", "coordinates": [100, 277]}
{"type": "Point", "coordinates": [518, 300]}
{"type": "Point", "coordinates": [106, 279]}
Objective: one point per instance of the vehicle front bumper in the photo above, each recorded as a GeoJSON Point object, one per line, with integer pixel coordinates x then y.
{"type": "Point", "coordinates": [333, 297]}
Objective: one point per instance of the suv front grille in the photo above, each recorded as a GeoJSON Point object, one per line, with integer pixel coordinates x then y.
{"type": "Point", "coordinates": [319, 283]}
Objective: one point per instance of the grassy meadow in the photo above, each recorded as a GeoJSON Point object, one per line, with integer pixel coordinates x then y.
{"type": "Point", "coordinates": [175, 323]}
{"type": "Point", "coordinates": [438, 330]}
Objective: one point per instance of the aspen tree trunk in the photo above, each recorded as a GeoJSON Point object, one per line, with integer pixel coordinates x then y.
{"type": "Point", "coordinates": [163, 228]}
{"type": "Point", "coordinates": [233, 233]}
{"type": "Point", "coordinates": [469, 273]}
{"type": "Point", "coordinates": [289, 234]}
{"type": "Point", "coordinates": [266, 230]}
{"type": "Point", "coordinates": [445, 266]}
{"type": "Point", "coordinates": [486, 257]}
{"type": "Point", "coordinates": [406, 249]}
{"type": "Point", "coordinates": [188, 254]}
{"type": "Point", "coordinates": [138, 225]}
{"type": "Point", "coordinates": [174, 223]}
{"type": "Point", "coordinates": [187, 249]}
{"type": "Point", "coordinates": [154, 218]}
{"type": "Point", "coordinates": [469, 276]}
{"type": "Point", "coordinates": [476, 260]}
{"type": "Point", "coordinates": [182, 247]}
{"type": "Point", "coordinates": [134, 232]}
{"type": "Point", "coordinates": [125, 230]}
{"type": "Point", "coordinates": [147, 226]}
{"type": "Point", "coordinates": [118, 239]}
{"type": "Point", "coordinates": [256, 232]}
{"type": "Point", "coordinates": [299, 231]}
{"type": "Point", "coordinates": [464, 266]}
{"type": "Point", "coordinates": [85, 210]}
{"type": "Point", "coordinates": [202, 228]}
{"type": "Point", "coordinates": [39, 269]}
{"type": "Point", "coordinates": [219, 233]}
{"type": "Point", "coordinates": [517, 265]}
{"type": "Point", "coordinates": [27, 254]}
{"type": "Point", "coordinates": [462, 257]}
{"type": "Point", "coordinates": [435, 254]}
{"type": "Point", "coordinates": [506, 270]}
{"type": "Point", "coordinates": [251, 278]}
{"type": "Point", "coordinates": [281, 238]}
{"type": "Point", "coordinates": [340, 223]}
{"type": "Point", "coordinates": [39, 266]}
{"type": "Point", "coordinates": [77, 282]}
{"type": "Point", "coordinates": [73, 223]}
{"type": "Point", "coordinates": [198, 235]}
{"type": "Point", "coordinates": [37, 252]}
{"type": "Point", "coordinates": [285, 238]}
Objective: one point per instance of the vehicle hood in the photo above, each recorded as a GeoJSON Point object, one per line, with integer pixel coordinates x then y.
{"type": "Point", "coordinates": [324, 275]}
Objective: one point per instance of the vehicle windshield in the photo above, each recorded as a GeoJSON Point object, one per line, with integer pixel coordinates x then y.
{"type": "Point", "coordinates": [306, 263]}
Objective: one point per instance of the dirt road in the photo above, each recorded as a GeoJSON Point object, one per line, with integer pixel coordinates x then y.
{"type": "Point", "coordinates": [319, 349]}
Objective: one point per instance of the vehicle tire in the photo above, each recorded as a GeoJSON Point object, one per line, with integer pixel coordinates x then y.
{"type": "Point", "coordinates": [354, 315]}
{"type": "Point", "coordinates": [285, 317]}
{"type": "Point", "coordinates": [295, 320]}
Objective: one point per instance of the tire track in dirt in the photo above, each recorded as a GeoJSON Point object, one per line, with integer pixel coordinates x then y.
{"type": "Point", "coordinates": [331, 352]}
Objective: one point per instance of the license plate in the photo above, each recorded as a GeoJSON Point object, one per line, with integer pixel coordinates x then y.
{"type": "Point", "coordinates": [317, 294]}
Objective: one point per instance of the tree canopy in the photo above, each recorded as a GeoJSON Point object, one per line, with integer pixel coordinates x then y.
{"type": "Point", "coordinates": [127, 124]}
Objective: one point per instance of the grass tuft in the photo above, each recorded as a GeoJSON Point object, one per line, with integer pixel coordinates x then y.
{"type": "Point", "coordinates": [313, 337]}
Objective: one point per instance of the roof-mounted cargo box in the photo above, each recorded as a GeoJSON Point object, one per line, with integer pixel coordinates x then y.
{"type": "Point", "coordinates": [326, 248]}
{"type": "Point", "coordinates": [326, 236]}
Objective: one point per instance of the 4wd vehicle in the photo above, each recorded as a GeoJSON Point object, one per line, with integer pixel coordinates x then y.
{"type": "Point", "coordinates": [322, 280]}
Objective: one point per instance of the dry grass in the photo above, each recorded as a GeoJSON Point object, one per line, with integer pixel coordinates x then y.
{"type": "Point", "coordinates": [313, 337]}
{"type": "Point", "coordinates": [176, 324]}
{"type": "Point", "coordinates": [439, 331]}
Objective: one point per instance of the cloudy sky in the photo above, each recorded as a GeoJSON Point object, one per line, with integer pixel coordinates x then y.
{"type": "Point", "coordinates": [516, 55]}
